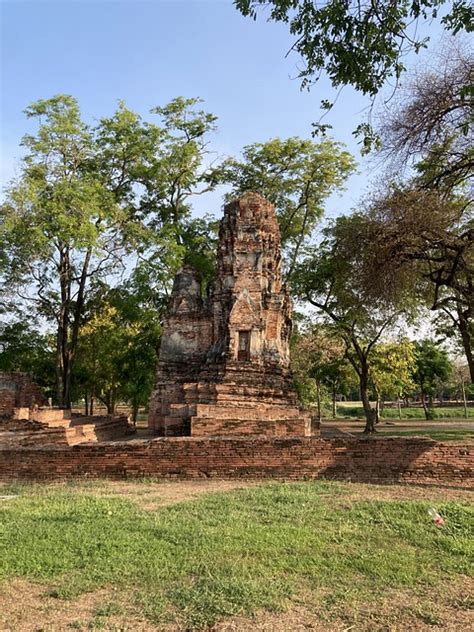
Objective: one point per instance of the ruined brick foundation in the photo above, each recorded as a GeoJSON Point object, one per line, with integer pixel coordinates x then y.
{"type": "Point", "coordinates": [17, 390]}
{"type": "Point", "coordinates": [50, 426]}
{"type": "Point", "coordinates": [224, 355]}
{"type": "Point", "coordinates": [25, 421]}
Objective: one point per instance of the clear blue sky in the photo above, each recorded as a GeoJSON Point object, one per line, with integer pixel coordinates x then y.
{"type": "Point", "coordinates": [147, 52]}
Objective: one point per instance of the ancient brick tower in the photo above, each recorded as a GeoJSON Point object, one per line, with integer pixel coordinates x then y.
{"type": "Point", "coordinates": [224, 358]}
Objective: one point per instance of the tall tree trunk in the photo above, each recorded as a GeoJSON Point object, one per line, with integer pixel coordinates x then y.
{"type": "Point", "coordinates": [67, 384]}
{"type": "Point", "coordinates": [72, 346]}
{"type": "Point", "coordinates": [59, 367]}
{"type": "Point", "coordinates": [364, 393]}
{"type": "Point", "coordinates": [114, 390]}
{"type": "Point", "coordinates": [463, 390]}
{"type": "Point", "coordinates": [425, 407]}
{"type": "Point", "coordinates": [109, 400]}
{"type": "Point", "coordinates": [318, 398]}
{"type": "Point", "coordinates": [361, 367]}
{"type": "Point", "coordinates": [334, 396]}
{"type": "Point", "coordinates": [106, 399]}
{"type": "Point", "coordinates": [465, 328]}
{"type": "Point", "coordinates": [62, 364]}
{"type": "Point", "coordinates": [377, 406]}
{"type": "Point", "coordinates": [135, 407]}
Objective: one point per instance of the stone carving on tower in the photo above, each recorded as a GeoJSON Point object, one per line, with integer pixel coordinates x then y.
{"type": "Point", "coordinates": [223, 365]}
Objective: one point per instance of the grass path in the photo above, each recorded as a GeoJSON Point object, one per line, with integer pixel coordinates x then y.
{"type": "Point", "coordinates": [179, 556]}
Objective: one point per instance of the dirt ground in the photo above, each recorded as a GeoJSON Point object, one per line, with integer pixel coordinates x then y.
{"type": "Point", "coordinates": [398, 611]}
{"type": "Point", "coordinates": [27, 606]}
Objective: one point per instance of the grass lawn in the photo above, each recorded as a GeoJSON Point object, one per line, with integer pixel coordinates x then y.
{"type": "Point", "coordinates": [432, 433]}
{"type": "Point", "coordinates": [352, 410]}
{"type": "Point", "coordinates": [127, 556]}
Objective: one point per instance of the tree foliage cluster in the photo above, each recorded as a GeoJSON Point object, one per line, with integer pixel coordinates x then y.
{"type": "Point", "coordinates": [397, 371]}
{"type": "Point", "coordinates": [360, 44]}
{"type": "Point", "coordinates": [411, 245]}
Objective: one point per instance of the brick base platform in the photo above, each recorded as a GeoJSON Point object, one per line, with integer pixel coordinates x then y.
{"type": "Point", "coordinates": [387, 460]}
{"type": "Point", "coordinates": [34, 428]}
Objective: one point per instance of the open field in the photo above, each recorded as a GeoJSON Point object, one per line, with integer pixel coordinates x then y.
{"type": "Point", "coordinates": [355, 410]}
{"type": "Point", "coordinates": [348, 410]}
{"type": "Point", "coordinates": [234, 556]}
{"type": "Point", "coordinates": [445, 430]}
{"type": "Point", "coordinates": [438, 434]}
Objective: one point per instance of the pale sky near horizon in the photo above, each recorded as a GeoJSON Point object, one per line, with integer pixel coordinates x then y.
{"type": "Point", "coordinates": [147, 52]}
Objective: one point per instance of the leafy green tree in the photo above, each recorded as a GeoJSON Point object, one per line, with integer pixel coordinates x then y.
{"type": "Point", "coordinates": [424, 228]}
{"type": "Point", "coordinates": [359, 44]}
{"type": "Point", "coordinates": [297, 176]}
{"type": "Point", "coordinates": [426, 241]}
{"type": "Point", "coordinates": [337, 376]}
{"type": "Point", "coordinates": [391, 371]}
{"type": "Point", "coordinates": [101, 345]}
{"type": "Point", "coordinates": [460, 385]}
{"type": "Point", "coordinates": [138, 312]}
{"type": "Point", "coordinates": [60, 225]}
{"type": "Point", "coordinates": [117, 347]}
{"type": "Point", "coordinates": [432, 368]}
{"type": "Point", "coordinates": [92, 202]}
{"type": "Point", "coordinates": [318, 359]}
{"type": "Point", "coordinates": [158, 169]}
{"type": "Point", "coordinates": [334, 280]}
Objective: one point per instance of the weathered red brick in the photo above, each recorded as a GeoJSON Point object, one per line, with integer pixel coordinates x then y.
{"type": "Point", "coordinates": [224, 359]}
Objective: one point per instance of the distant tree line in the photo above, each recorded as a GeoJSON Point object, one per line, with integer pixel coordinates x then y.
{"type": "Point", "coordinates": [401, 372]}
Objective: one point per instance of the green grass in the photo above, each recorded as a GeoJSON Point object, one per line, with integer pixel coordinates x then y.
{"type": "Point", "coordinates": [437, 435]}
{"type": "Point", "coordinates": [348, 411]}
{"type": "Point", "coordinates": [230, 554]}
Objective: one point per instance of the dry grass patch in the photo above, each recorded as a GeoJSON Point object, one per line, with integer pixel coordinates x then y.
{"type": "Point", "coordinates": [449, 608]}
{"type": "Point", "coordinates": [148, 494]}
{"type": "Point", "coordinates": [31, 607]}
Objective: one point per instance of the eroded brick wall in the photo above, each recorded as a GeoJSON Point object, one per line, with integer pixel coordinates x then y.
{"type": "Point", "coordinates": [17, 390]}
{"type": "Point", "coordinates": [381, 460]}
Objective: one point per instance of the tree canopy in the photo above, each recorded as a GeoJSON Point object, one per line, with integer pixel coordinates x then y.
{"type": "Point", "coordinates": [432, 368]}
{"type": "Point", "coordinates": [420, 228]}
{"type": "Point", "coordinates": [361, 44]}
{"type": "Point", "coordinates": [89, 199]}
{"type": "Point", "coordinates": [297, 175]}
{"type": "Point", "coordinates": [333, 278]}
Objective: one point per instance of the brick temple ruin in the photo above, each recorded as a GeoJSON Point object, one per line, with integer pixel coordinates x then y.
{"type": "Point", "coordinates": [224, 356]}
{"type": "Point", "coordinates": [18, 390]}
{"type": "Point", "coordinates": [26, 420]}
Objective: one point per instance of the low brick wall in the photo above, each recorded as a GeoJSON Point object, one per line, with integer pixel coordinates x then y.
{"type": "Point", "coordinates": [373, 460]}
